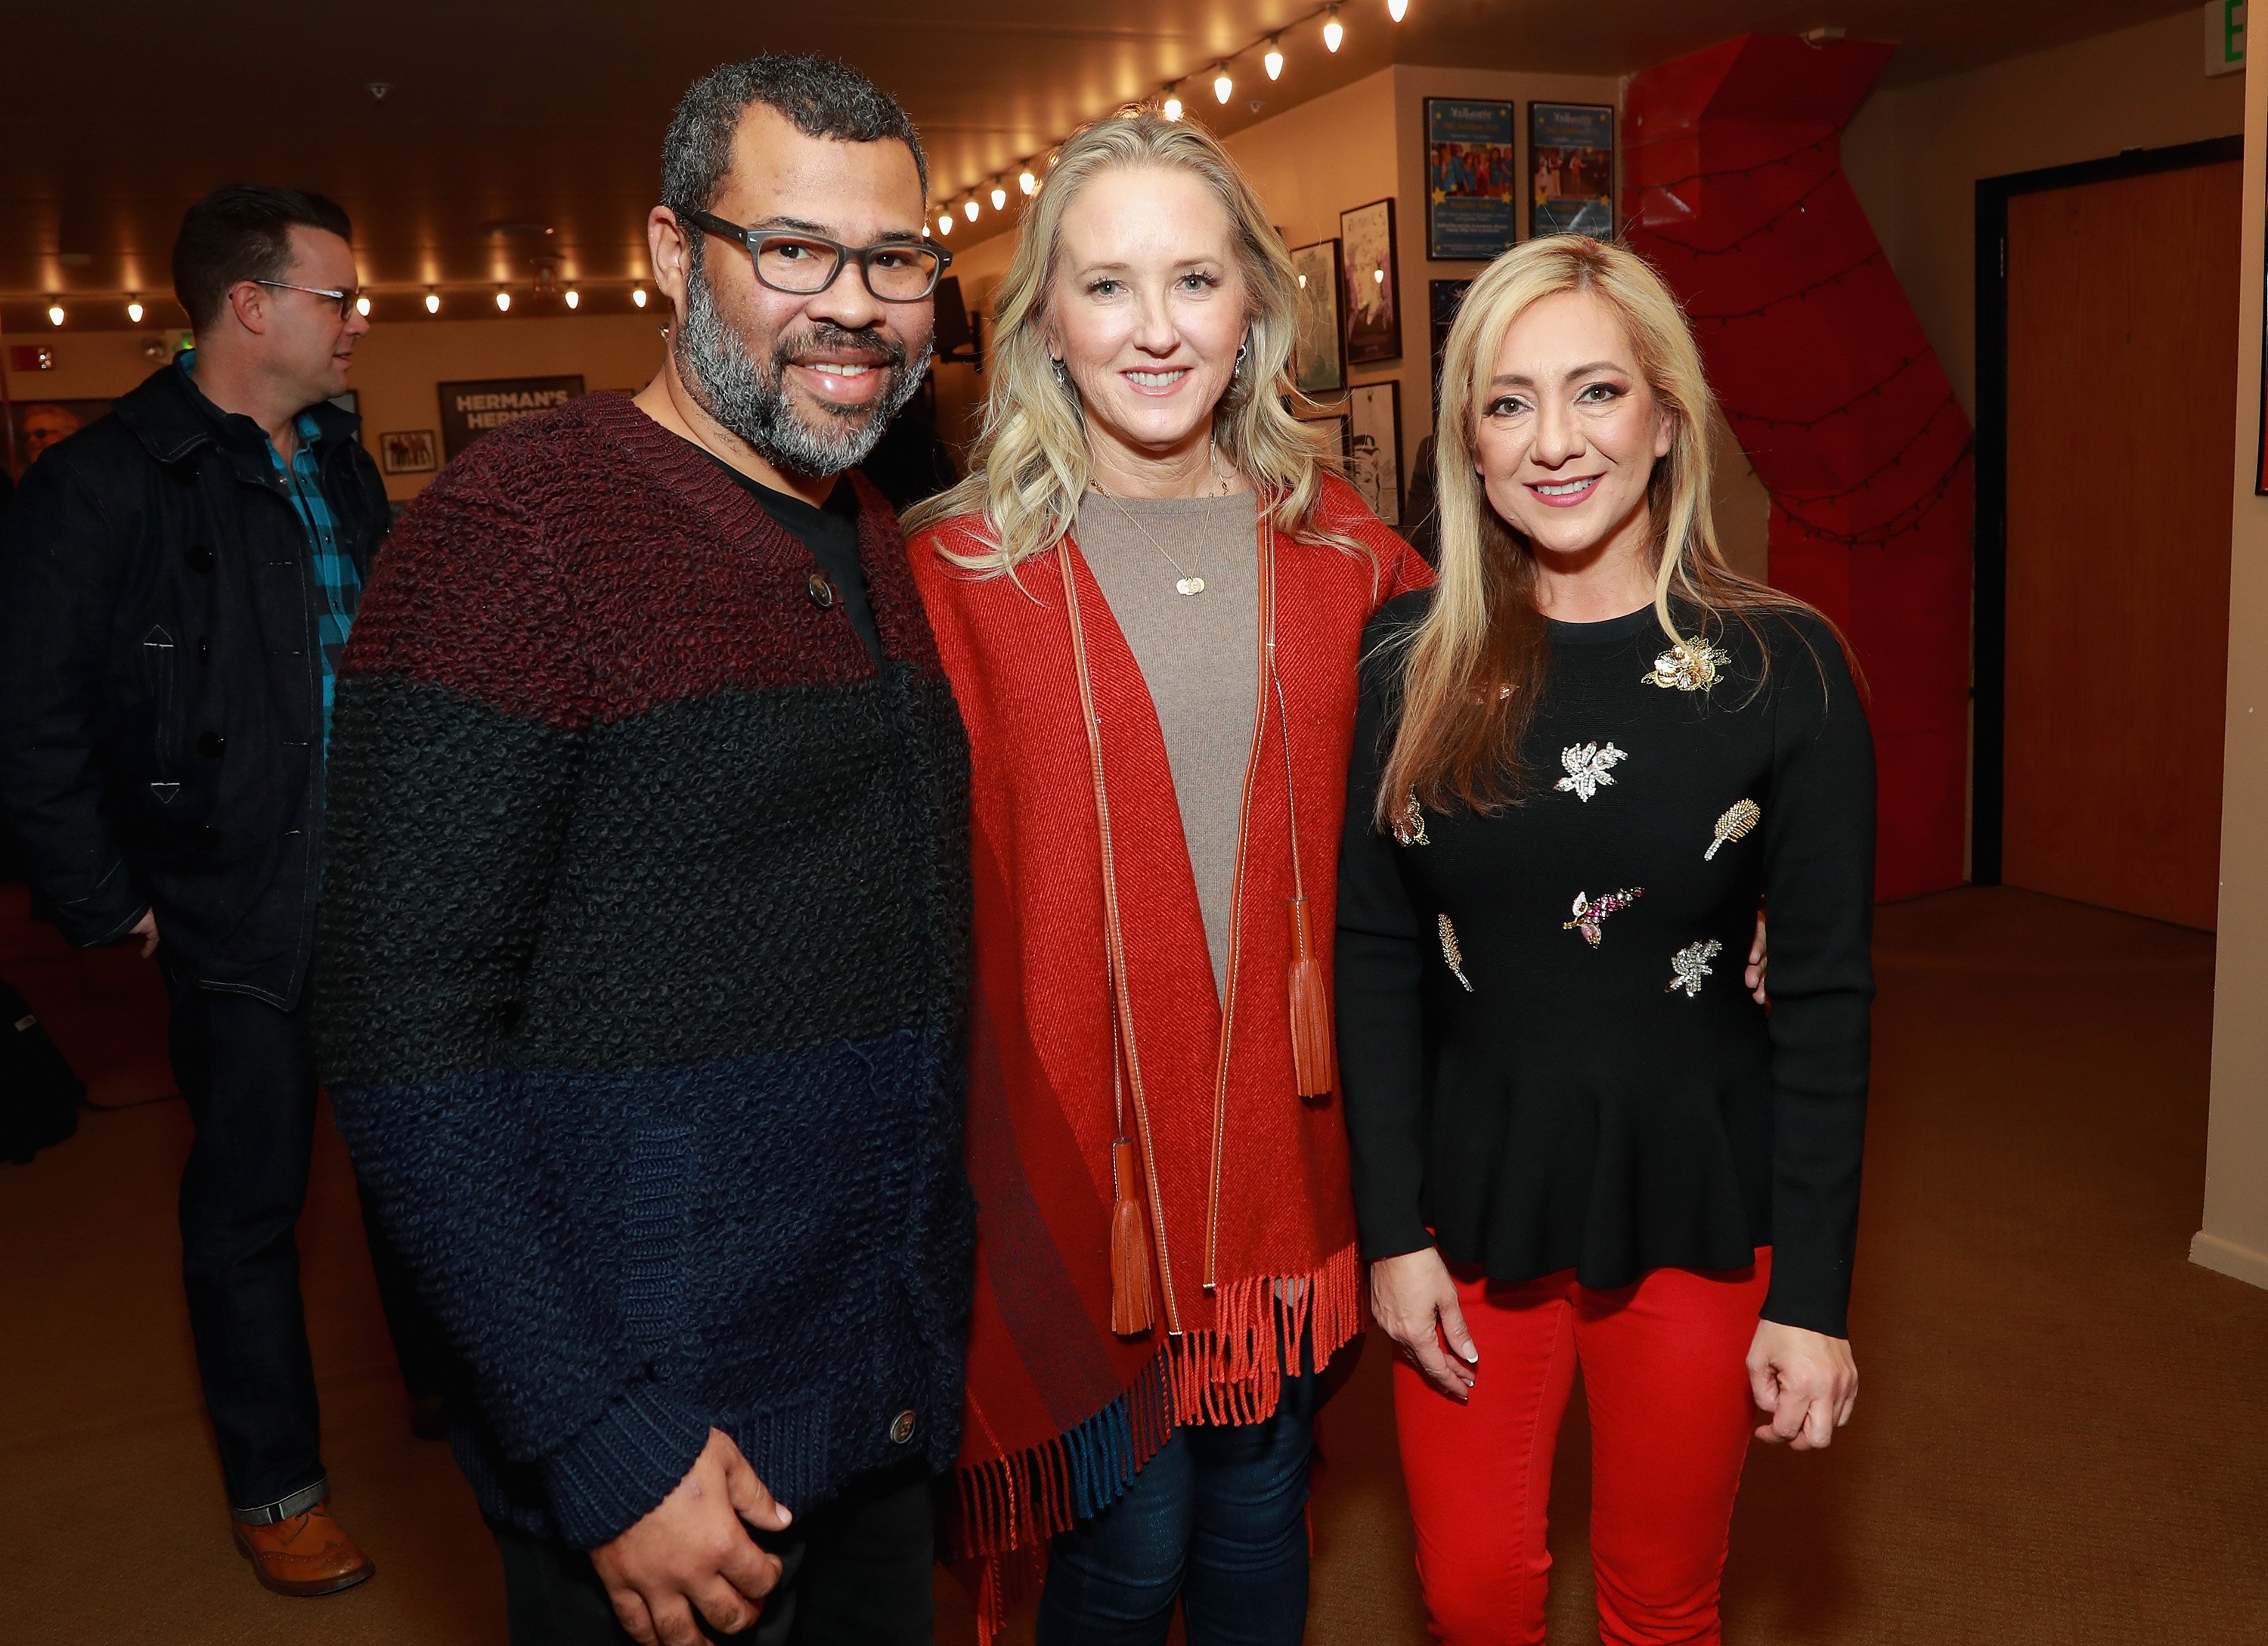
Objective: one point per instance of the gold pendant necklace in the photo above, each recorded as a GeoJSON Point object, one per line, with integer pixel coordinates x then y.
{"type": "Point", "coordinates": [1188, 582]}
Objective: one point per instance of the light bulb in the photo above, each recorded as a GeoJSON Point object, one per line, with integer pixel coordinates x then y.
{"type": "Point", "coordinates": [504, 300]}
{"type": "Point", "coordinates": [361, 307]}
{"type": "Point", "coordinates": [55, 314]}
{"type": "Point", "coordinates": [1303, 281]}
{"type": "Point", "coordinates": [1332, 32]}
{"type": "Point", "coordinates": [1026, 181]}
{"type": "Point", "coordinates": [1274, 61]}
{"type": "Point", "coordinates": [969, 208]}
{"type": "Point", "coordinates": [637, 295]}
{"type": "Point", "coordinates": [573, 299]}
{"type": "Point", "coordinates": [944, 222]}
{"type": "Point", "coordinates": [134, 309]}
{"type": "Point", "coordinates": [1222, 85]}
{"type": "Point", "coordinates": [1378, 276]}
{"type": "Point", "coordinates": [1000, 196]}
{"type": "Point", "coordinates": [1173, 105]}
{"type": "Point", "coordinates": [1397, 9]}
{"type": "Point", "coordinates": [432, 302]}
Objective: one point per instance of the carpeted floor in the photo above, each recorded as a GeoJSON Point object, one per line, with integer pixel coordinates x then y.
{"type": "Point", "coordinates": [2062, 1435]}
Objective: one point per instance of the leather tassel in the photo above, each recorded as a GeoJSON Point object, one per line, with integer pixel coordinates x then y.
{"type": "Point", "coordinates": [1132, 1311]}
{"type": "Point", "coordinates": [1314, 1058]}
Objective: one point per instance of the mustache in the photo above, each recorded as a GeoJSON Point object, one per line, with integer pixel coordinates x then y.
{"type": "Point", "coordinates": [824, 336]}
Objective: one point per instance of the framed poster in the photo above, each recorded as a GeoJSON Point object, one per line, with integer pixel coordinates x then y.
{"type": "Point", "coordinates": [1471, 179]}
{"type": "Point", "coordinates": [1570, 160]}
{"type": "Point", "coordinates": [1374, 447]}
{"type": "Point", "coordinates": [1372, 294]}
{"type": "Point", "coordinates": [1441, 299]}
{"type": "Point", "coordinates": [40, 423]}
{"type": "Point", "coordinates": [469, 411]}
{"type": "Point", "coordinates": [408, 452]}
{"type": "Point", "coordinates": [1334, 425]}
{"type": "Point", "coordinates": [1318, 350]}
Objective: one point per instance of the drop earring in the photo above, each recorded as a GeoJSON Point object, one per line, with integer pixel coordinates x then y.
{"type": "Point", "coordinates": [1063, 377]}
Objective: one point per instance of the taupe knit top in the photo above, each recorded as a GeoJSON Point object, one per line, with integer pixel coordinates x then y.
{"type": "Point", "coordinates": [1199, 654]}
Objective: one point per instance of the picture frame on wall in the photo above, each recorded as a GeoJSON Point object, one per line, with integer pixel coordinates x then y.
{"type": "Point", "coordinates": [1333, 425]}
{"type": "Point", "coordinates": [1371, 298]}
{"type": "Point", "coordinates": [1318, 350]}
{"type": "Point", "coordinates": [1571, 169]}
{"type": "Point", "coordinates": [1374, 446]}
{"type": "Point", "coordinates": [1441, 299]}
{"type": "Point", "coordinates": [408, 452]}
{"type": "Point", "coordinates": [1472, 180]}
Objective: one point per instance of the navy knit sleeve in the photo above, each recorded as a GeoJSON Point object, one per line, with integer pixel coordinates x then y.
{"type": "Point", "coordinates": [455, 754]}
{"type": "Point", "coordinates": [1819, 846]}
{"type": "Point", "coordinates": [1379, 965]}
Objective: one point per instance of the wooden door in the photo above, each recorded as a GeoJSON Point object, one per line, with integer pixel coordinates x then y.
{"type": "Point", "coordinates": [2122, 352]}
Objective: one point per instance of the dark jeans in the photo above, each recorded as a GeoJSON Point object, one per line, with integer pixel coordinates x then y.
{"type": "Point", "coordinates": [1218, 1517]}
{"type": "Point", "coordinates": [247, 1072]}
{"type": "Point", "coordinates": [853, 1573]}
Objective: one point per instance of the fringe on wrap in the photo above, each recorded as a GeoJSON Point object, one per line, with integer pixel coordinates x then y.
{"type": "Point", "coordinates": [1009, 1506]}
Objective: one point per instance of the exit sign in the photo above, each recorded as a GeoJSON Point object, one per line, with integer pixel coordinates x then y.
{"type": "Point", "coordinates": [2224, 36]}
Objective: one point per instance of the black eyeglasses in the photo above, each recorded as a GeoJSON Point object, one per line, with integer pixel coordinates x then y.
{"type": "Point", "coordinates": [804, 265]}
{"type": "Point", "coordinates": [346, 300]}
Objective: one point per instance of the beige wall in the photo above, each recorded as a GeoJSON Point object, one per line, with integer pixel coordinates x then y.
{"type": "Point", "coordinates": [2234, 1238]}
{"type": "Point", "coordinates": [396, 367]}
{"type": "Point", "coordinates": [1914, 153]}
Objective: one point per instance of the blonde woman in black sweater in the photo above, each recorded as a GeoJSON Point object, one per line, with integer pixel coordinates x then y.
{"type": "Point", "coordinates": [1579, 765]}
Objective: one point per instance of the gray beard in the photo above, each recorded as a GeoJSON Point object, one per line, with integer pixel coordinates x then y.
{"type": "Point", "coordinates": [752, 400]}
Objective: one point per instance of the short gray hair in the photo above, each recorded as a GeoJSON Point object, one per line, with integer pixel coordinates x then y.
{"type": "Point", "coordinates": [822, 97]}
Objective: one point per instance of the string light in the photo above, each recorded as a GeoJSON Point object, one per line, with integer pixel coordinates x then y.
{"type": "Point", "coordinates": [1000, 196]}
{"type": "Point", "coordinates": [503, 301]}
{"type": "Point", "coordinates": [573, 298]}
{"type": "Point", "coordinates": [1222, 85]}
{"type": "Point", "coordinates": [1274, 61]}
{"type": "Point", "coordinates": [361, 307]}
{"type": "Point", "coordinates": [1397, 9]}
{"type": "Point", "coordinates": [432, 301]}
{"type": "Point", "coordinates": [1026, 181]}
{"type": "Point", "coordinates": [1333, 33]}
{"type": "Point", "coordinates": [55, 314]}
{"type": "Point", "coordinates": [944, 222]}
{"type": "Point", "coordinates": [1173, 105]}
{"type": "Point", "coordinates": [134, 309]}
{"type": "Point", "coordinates": [637, 295]}
{"type": "Point", "coordinates": [969, 208]}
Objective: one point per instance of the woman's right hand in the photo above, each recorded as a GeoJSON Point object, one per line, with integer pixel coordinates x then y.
{"type": "Point", "coordinates": [1413, 1298]}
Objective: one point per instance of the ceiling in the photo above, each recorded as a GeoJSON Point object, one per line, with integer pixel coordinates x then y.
{"type": "Point", "coordinates": [515, 133]}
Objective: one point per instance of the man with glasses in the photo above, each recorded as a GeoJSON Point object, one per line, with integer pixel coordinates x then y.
{"type": "Point", "coordinates": [177, 582]}
{"type": "Point", "coordinates": [645, 926]}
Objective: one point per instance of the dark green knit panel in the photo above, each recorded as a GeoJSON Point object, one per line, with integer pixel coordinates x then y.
{"type": "Point", "coordinates": [758, 870]}
{"type": "Point", "coordinates": [445, 823]}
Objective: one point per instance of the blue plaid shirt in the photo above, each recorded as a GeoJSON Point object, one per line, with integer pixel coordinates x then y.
{"type": "Point", "coordinates": [335, 577]}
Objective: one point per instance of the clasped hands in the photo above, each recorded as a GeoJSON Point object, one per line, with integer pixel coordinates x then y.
{"type": "Point", "coordinates": [1805, 1382]}
{"type": "Point", "coordinates": [692, 1552]}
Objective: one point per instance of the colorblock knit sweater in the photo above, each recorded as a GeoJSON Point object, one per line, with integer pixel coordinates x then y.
{"type": "Point", "coordinates": [641, 972]}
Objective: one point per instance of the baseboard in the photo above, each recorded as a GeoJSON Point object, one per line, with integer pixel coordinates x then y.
{"type": "Point", "coordinates": [2226, 1257]}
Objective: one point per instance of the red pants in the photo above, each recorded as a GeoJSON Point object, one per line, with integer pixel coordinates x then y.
{"type": "Point", "coordinates": [1665, 1372]}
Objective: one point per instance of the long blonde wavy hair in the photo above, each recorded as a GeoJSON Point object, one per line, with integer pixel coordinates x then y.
{"type": "Point", "coordinates": [1031, 464]}
{"type": "Point", "coordinates": [1470, 672]}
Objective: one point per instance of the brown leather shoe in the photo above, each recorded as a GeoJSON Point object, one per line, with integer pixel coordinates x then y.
{"type": "Point", "coordinates": [308, 1555]}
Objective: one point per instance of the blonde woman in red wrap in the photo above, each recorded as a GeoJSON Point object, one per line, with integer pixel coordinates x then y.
{"type": "Point", "coordinates": [1150, 595]}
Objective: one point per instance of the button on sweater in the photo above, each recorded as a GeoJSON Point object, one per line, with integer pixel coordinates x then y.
{"type": "Point", "coordinates": [640, 977]}
{"type": "Point", "coordinates": [1550, 1059]}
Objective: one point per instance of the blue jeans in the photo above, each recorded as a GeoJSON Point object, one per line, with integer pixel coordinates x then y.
{"type": "Point", "coordinates": [1217, 1517]}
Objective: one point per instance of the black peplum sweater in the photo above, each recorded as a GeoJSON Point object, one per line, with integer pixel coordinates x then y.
{"type": "Point", "coordinates": [641, 961]}
{"type": "Point", "coordinates": [1549, 1058]}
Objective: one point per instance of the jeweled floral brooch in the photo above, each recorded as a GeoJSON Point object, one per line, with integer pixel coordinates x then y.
{"type": "Point", "coordinates": [1590, 766]}
{"type": "Point", "coordinates": [1590, 916]}
{"type": "Point", "coordinates": [1691, 964]}
{"type": "Point", "coordinates": [1689, 666]}
{"type": "Point", "coordinates": [1409, 823]}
